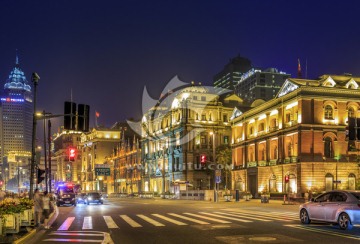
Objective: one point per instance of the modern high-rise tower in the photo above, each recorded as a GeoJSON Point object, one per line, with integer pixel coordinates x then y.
{"type": "Point", "coordinates": [16, 111]}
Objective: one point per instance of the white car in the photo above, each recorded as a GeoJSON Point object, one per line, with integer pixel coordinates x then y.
{"type": "Point", "coordinates": [340, 207]}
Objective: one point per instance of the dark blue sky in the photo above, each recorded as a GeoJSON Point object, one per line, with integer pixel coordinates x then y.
{"type": "Point", "coordinates": [107, 51]}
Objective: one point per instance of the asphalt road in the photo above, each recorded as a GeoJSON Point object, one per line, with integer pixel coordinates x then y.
{"type": "Point", "coordinates": [177, 221]}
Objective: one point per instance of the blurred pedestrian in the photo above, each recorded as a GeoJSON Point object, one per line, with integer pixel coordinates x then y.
{"type": "Point", "coordinates": [2, 194]}
{"type": "Point", "coordinates": [46, 209]}
{"type": "Point", "coordinates": [38, 207]}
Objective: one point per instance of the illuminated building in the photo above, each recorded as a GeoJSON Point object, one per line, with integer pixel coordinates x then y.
{"type": "Point", "coordinates": [67, 170]}
{"type": "Point", "coordinates": [297, 142]}
{"type": "Point", "coordinates": [260, 84]}
{"type": "Point", "coordinates": [176, 133]}
{"type": "Point", "coordinates": [231, 73]}
{"type": "Point", "coordinates": [96, 146]}
{"type": "Point", "coordinates": [16, 111]}
{"type": "Point", "coordinates": [126, 160]}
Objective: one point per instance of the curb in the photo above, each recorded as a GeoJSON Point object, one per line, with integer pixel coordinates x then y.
{"type": "Point", "coordinates": [25, 237]}
{"type": "Point", "coordinates": [52, 218]}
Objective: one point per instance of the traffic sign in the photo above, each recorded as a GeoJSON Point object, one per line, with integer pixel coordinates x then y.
{"type": "Point", "coordinates": [102, 171]}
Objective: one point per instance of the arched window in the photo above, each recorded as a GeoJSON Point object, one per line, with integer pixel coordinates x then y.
{"type": "Point", "coordinates": [273, 124]}
{"type": "Point", "coordinates": [272, 184]}
{"type": "Point", "coordinates": [328, 151]}
{"type": "Point", "coordinates": [261, 127]}
{"type": "Point", "coordinates": [352, 181]}
{"type": "Point", "coordinates": [328, 112]}
{"type": "Point", "coordinates": [275, 152]}
{"type": "Point", "coordinates": [329, 178]}
{"type": "Point", "coordinates": [197, 116]}
{"type": "Point", "coordinates": [351, 112]}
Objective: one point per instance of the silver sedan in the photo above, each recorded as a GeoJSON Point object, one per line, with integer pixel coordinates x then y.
{"type": "Point", "coordinates": [337, 207]}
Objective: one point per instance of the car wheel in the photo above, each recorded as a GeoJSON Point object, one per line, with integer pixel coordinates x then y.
{"type": "Point", "coordinates": [304, 217]}
{"type": "Point", "coordinates": [58, 204]}
{"type": "Point", "coordinates": [344, 222]}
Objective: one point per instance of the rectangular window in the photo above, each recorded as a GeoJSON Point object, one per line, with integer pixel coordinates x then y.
{"type": "Point", "coordinates": [195, 97]}
{"type": "Point", "coordinates": [203, 98]}
{"type": "Point", "coordinates": [225, 118]}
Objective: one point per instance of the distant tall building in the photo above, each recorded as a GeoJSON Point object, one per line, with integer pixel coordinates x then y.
{"type": "Point", "coordinates": [16, 111]}
{"type": "Point", "coordinates": [260, 84]}
{"type": "Point", "coordinates": [230, 75]}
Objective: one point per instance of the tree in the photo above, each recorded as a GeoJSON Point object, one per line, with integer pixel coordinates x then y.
{"type": "Point", "coordinates": [224, 157]}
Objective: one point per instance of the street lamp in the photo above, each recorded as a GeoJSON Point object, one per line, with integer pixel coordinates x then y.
{"type": "Point", "coordinates": [6, 170]}
{"type": "Point", "coordinates": [214, 160]}
{"type": "Point", "coordinates": [35, 79]}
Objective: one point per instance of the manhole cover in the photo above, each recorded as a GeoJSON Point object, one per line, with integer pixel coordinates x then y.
{"type": "Point", "coordinates": [262, 238]}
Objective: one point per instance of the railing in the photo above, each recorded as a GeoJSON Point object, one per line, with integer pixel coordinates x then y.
{"type": "Point", "coordinates": [262, 163]}
{"type": "Point", "coordinates": [252, 164]}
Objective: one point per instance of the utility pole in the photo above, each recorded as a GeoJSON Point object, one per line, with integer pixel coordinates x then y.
{"type": "Point", "coordinates": [49, 141]}
{"type": "Point", "coordinates": [35, 79]}
{"type": "Point", "coordinates": [45, 152]}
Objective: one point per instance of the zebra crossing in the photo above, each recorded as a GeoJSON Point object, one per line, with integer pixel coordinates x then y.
{"type": "Point", "coordinates": [224, 216]}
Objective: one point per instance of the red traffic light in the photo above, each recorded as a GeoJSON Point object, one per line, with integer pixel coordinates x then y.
{"type": "Point", "coordinates": [286, 178]}
{"type": "Point", "coordinates": [72, 153]}
{"type": "Point", "coordinates": [1, 182]}
{"type": "Point", "coordinates": [203, 158]}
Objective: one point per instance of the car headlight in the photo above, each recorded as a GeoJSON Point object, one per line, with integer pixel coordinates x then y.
{"type": "Point", "coordinates": [80, 198]}
{"type": "Point", "coordinates": [102, 198]}
{"type": "Point", "coordinates": [73, 199]}
{"type": "Point", "coordinates": [90, 198]}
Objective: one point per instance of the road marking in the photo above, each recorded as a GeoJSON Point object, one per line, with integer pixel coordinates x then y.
{"type": "Point", "coordinates": [73, 240]}
{"type": "Point", "coordinates": [87, 224]}
{"type": "Point", "coordinates": [189, 219]}
{"type": "Point", "coordinates": [224, 217]}
{"type": "Point", "coordinates": [169, 220]}
{"type": "Point", "coordinates": [323, 231]}
{"type": "Point", "coordinates": [151, 221]}
{"type": "Point", "coordinates": [67, 223]}
{"type": "Point", "coordinates": [208, 218]}
{"type": "Point", "coordinates": [110, 222]}
{"type": "Point", "coordinates": [247, 217]}
{"type": "Point", "coordinates": [130, 221]}
{"type": "Point", "coordinates": [262, 215]}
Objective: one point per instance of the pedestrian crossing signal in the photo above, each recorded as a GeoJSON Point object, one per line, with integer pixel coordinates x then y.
{"type": "Point", "coordinates": [203, 159]}
{"type": "Point", "coordinates": [286, 178]}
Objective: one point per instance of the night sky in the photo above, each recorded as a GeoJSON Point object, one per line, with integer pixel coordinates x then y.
{"type": "Point", "coordinates": [107, 51]}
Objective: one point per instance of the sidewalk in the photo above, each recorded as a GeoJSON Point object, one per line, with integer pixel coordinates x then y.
{"type": "Point", "coordinates": [28, 232]}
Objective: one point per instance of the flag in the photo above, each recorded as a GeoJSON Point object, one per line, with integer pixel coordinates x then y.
{"type": "Point", "coordinates": [97, 114]}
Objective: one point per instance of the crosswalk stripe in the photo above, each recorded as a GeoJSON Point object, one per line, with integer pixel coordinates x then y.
{"type": "Point", "coordinates": [169, 220]}
{"type": "Point", "coordinates": [67, 223]}
{"type": "Point", "coordinates": [87, 224]}
{"type": "Point", "coordinates": [224, 217]}
{"type": "Point", "coordinates": [110, 222]}
{"type": "Point", "coordinates": [151, 221]}
{"type": "Point", "coordinates": [130, 221]}
{"type": "Point", "coordinates": [208, 218]}
{"type": "Point", "coordinates": [246, 217]}
{"type": "Point", "coordinates": [189, 219]}
{"type": "Point", "coordinates": [265, 216]}
{"type": "Point", "coordinates": [73, 234]}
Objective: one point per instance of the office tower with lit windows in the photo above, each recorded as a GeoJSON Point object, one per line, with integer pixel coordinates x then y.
{"type": "Point", "coordinates": [231, 73]}
{"type": "Point", "coordinates": [16, 111]}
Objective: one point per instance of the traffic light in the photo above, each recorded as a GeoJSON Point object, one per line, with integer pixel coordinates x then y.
{"type": "Point", "coordinates": [1, 183]}
{"type": "Point", "coordinates": [83, 117]}
{"type": "Point", "coordinates": [72, 154]}
{"type": "Point", "coordinates": [40, 175]}
{"type": "Point", "coordinates": [70, 116]}
{"type": "Point", "coordinates": [286, 178]}
{"type": "Point", "coordinates": [203, 159]}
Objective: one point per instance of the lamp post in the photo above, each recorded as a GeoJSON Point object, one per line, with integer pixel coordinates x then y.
{"type": "Point", "coordinates": [18, 176]}
{"type": "Point", "coordinates": [214, 159]}
{"type": "Point", "coordinates": [35, 79]}
{"type": "Point", "coordinates": [6, 170]}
